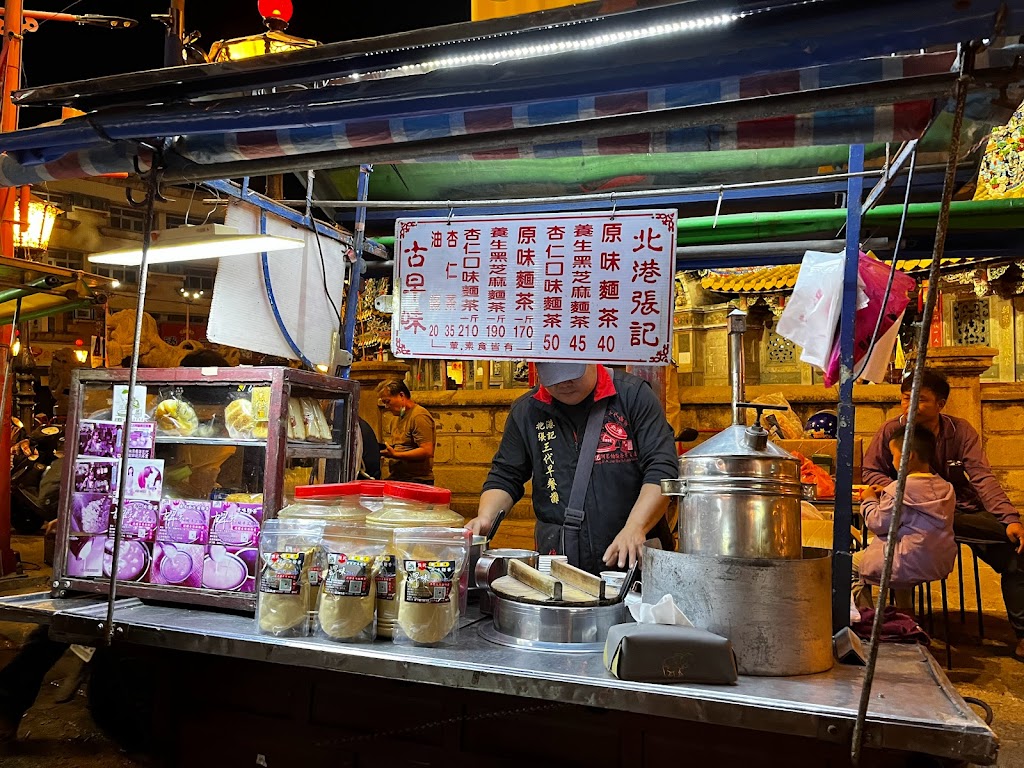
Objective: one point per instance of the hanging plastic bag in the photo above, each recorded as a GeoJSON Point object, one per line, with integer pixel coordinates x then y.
{"type": "Point", "coordinates": [873, 275]}
{"type": "Point", "coordinates": [811, 315]}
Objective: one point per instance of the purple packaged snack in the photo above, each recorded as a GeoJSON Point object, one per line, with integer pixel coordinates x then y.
{"type": "Point", "coordinates": [236, 525]}
{"type": "Point", "coordinates": [142, 440]}
{"type": "Point", "coordinates": [225, 569]}
{"type": "Point", "coordinates": [95, 475]}
{"type": "Point", "coordinates": [99, 438]}
{"type": "Point", "coordinates": [145, 479]}
{"type": "Point", "coordinates": [180, 565]}
{"type": "Point", "coordinates": [133, 559]}
{"type": "Point", "coordinates": [90, 512]}
{"type": "Point", "coordinates": [85, 556]}
{"type": "Point", "coordinates": [184, 521]}
{"type": "Point", "coordinates": [140, 519]}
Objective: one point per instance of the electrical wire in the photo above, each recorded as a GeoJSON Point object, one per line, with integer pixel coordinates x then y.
{"type": "Point", "coordinates": [323, 270]}
{"type": "Point", "coordinates": [892, 269]}
{"type": "Point", "coordinates": [277, 314]}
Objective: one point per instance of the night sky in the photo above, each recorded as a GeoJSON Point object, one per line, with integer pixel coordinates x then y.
{"type": "Point", "coordinates": [60, 52]}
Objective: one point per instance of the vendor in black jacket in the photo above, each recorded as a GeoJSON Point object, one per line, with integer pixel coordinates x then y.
{"type": "Point", "coordinates": [542, 438]}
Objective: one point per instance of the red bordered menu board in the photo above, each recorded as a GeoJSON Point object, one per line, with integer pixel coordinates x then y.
{"type": "Point", "coordinates": [593, 287]}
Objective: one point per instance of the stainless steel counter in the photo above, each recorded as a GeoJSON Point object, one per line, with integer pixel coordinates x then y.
{"type": "Point", "coordinates": [914, 706]}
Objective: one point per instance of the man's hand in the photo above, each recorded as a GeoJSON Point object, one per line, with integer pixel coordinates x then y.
{"type": "Point", "coordinates": [627, 547]}
{"type": "Point", "coordinates": [388, 452]}
{"type": "Point", "coordinates": [479, 526]}
{"type": "Point", "coordinates": [1015, 533]}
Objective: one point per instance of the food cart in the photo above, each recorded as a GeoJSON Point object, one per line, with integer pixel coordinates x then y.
{"type": "Point", "coordinates": [532, 699]}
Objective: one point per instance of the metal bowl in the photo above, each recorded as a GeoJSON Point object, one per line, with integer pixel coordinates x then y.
{"type": "Point", "coordinates": [493, 564]}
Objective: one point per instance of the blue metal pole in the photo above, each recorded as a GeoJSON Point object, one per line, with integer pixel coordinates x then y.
{"type": "Point", "coordinates": [356, 272]}
{"type": "Point", "coordinates": [841, 559]}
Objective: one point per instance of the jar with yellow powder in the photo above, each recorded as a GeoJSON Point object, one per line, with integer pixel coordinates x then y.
{"type": "Point", "coordinates": [406, 505]}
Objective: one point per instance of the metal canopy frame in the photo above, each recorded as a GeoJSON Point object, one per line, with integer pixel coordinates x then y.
{"type": "Point", "coordinates": [780, 33]}
{"type": "Point", "coordinates": [764, 32]}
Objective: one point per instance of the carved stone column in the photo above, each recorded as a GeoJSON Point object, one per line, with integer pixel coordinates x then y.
{"type": "Point", "coordinates": [962, 367]}
{"type": "Point", "coordinates": [369, 374]}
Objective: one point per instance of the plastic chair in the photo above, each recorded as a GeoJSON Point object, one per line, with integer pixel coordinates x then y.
{"type": "Point", "coordinates": [977, 580]}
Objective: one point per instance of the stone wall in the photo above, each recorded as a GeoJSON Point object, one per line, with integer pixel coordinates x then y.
{"type": "Point", "coordinates": [470, 423]}
{"type": "Point", "coordinates": [1002, 413]}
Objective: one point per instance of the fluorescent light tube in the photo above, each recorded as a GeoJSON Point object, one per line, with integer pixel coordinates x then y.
{"type": "Point", "coordinates": [192, 243]}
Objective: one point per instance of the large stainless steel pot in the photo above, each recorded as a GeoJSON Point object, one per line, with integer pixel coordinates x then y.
{"type": "Point", "coordinates": [738, 497]}
{"type": "Point", "coordinates": [739, 494]}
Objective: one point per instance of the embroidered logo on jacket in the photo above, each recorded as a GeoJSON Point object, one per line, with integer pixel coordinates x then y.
{"type": "Point", "coordinates": [615, 445]}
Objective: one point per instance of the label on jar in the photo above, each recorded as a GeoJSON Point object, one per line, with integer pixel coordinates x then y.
{"type": "Point", "coordinates": [386, 577]}
{"type": "Point", "coordinates": [281, 573]}
{"type": "Point", "coordinates": [348, 576]}
{"type": "Point", "coordinates": [428, 581]}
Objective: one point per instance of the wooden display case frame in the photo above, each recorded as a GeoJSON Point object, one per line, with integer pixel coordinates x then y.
{"type": "Point", "coordinates": [284, 383]}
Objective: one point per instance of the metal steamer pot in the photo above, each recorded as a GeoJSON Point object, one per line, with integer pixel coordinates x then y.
{"type": "Point", "coordinates": [739, 497]}
{"type": "Point", "coordinates": [739, 494]}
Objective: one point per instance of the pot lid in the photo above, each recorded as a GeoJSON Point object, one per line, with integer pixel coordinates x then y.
{"type": "Point", "coordinates": [738, 441]}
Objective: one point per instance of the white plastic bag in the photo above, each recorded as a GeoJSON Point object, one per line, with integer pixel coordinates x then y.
{"type": "Point", "coordinates": [811, 317]}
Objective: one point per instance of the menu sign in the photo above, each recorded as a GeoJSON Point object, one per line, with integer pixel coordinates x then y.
{"type": "Point", "coordinates": [592, 287]}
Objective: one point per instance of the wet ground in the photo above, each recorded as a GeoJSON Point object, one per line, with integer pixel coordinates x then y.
{"type": "Point", "coordinates": [63, 735]}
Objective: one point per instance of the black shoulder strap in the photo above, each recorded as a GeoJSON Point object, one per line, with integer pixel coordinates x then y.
{"type": "Point", "coordinates": [574, 512]}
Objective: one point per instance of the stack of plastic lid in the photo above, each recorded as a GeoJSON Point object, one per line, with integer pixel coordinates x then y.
{"type": "Point", "coordinates": [333, 503]}
{"type": "Point", "coordinates": [372, 494]}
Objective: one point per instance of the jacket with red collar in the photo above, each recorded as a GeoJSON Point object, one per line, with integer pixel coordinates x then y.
{"type": "Point", "coordinates": [540, 443]}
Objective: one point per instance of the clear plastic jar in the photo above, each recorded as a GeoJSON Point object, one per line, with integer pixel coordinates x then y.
{"type": "Point", "coordinates": [372, 494]}
{"type": "Point", "coordinates": [333, 503]}
{"type": "Point", "coordinates": [406, 505]}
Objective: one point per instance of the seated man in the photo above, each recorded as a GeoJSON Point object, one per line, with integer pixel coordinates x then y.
{"type": "Point", "coordinates": [983, 510]}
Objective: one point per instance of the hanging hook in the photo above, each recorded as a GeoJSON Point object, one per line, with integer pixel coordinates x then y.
{"type": "Point", "coordinates": [155, 169]}
{"type": "Point", "coordinates": [718, 206]}
{"type": "Point", "coordinates": [451, 213]}
{"type": "Point", "coordinates": [611, 196]}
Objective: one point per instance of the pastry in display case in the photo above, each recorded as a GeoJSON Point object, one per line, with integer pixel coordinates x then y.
{"type": "Point", "coordinates": [213, 453]}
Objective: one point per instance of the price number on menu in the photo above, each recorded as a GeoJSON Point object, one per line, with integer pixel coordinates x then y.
{"type": "Point", "coordinates": [458, 330]}
{"type": "Point", "coordinates": [578, 343]}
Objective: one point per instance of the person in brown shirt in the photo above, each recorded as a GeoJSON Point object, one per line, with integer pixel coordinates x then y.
{"type": "Point", "coordinates": [410, 449]}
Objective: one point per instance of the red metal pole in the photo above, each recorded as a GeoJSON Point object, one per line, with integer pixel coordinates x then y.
{"type": "Point", "coordinates": [13, 20]}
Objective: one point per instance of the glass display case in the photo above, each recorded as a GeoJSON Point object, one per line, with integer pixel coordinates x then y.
{"type": "Point", "coordinates": [213, 452]}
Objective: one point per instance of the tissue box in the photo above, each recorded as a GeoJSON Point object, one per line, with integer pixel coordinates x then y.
{"type": "Point", "coordinates": [662, 653]}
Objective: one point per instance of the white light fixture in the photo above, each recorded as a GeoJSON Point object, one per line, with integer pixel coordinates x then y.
{"type": "Point", "coordinates": [81, 355]}
{"type": "Point", "coordinates": [115, 284]}
{"type": "Point", "coordinates": [558, 46]}
{"type": "Point", "coordinates": [193, 243]}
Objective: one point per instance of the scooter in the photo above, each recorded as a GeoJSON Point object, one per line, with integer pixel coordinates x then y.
{"type": "Point", "coordinates": [35, 457]}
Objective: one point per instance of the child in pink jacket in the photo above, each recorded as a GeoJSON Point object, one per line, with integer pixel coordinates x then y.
{"type": "Point", "coordinates": [925, 549]}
